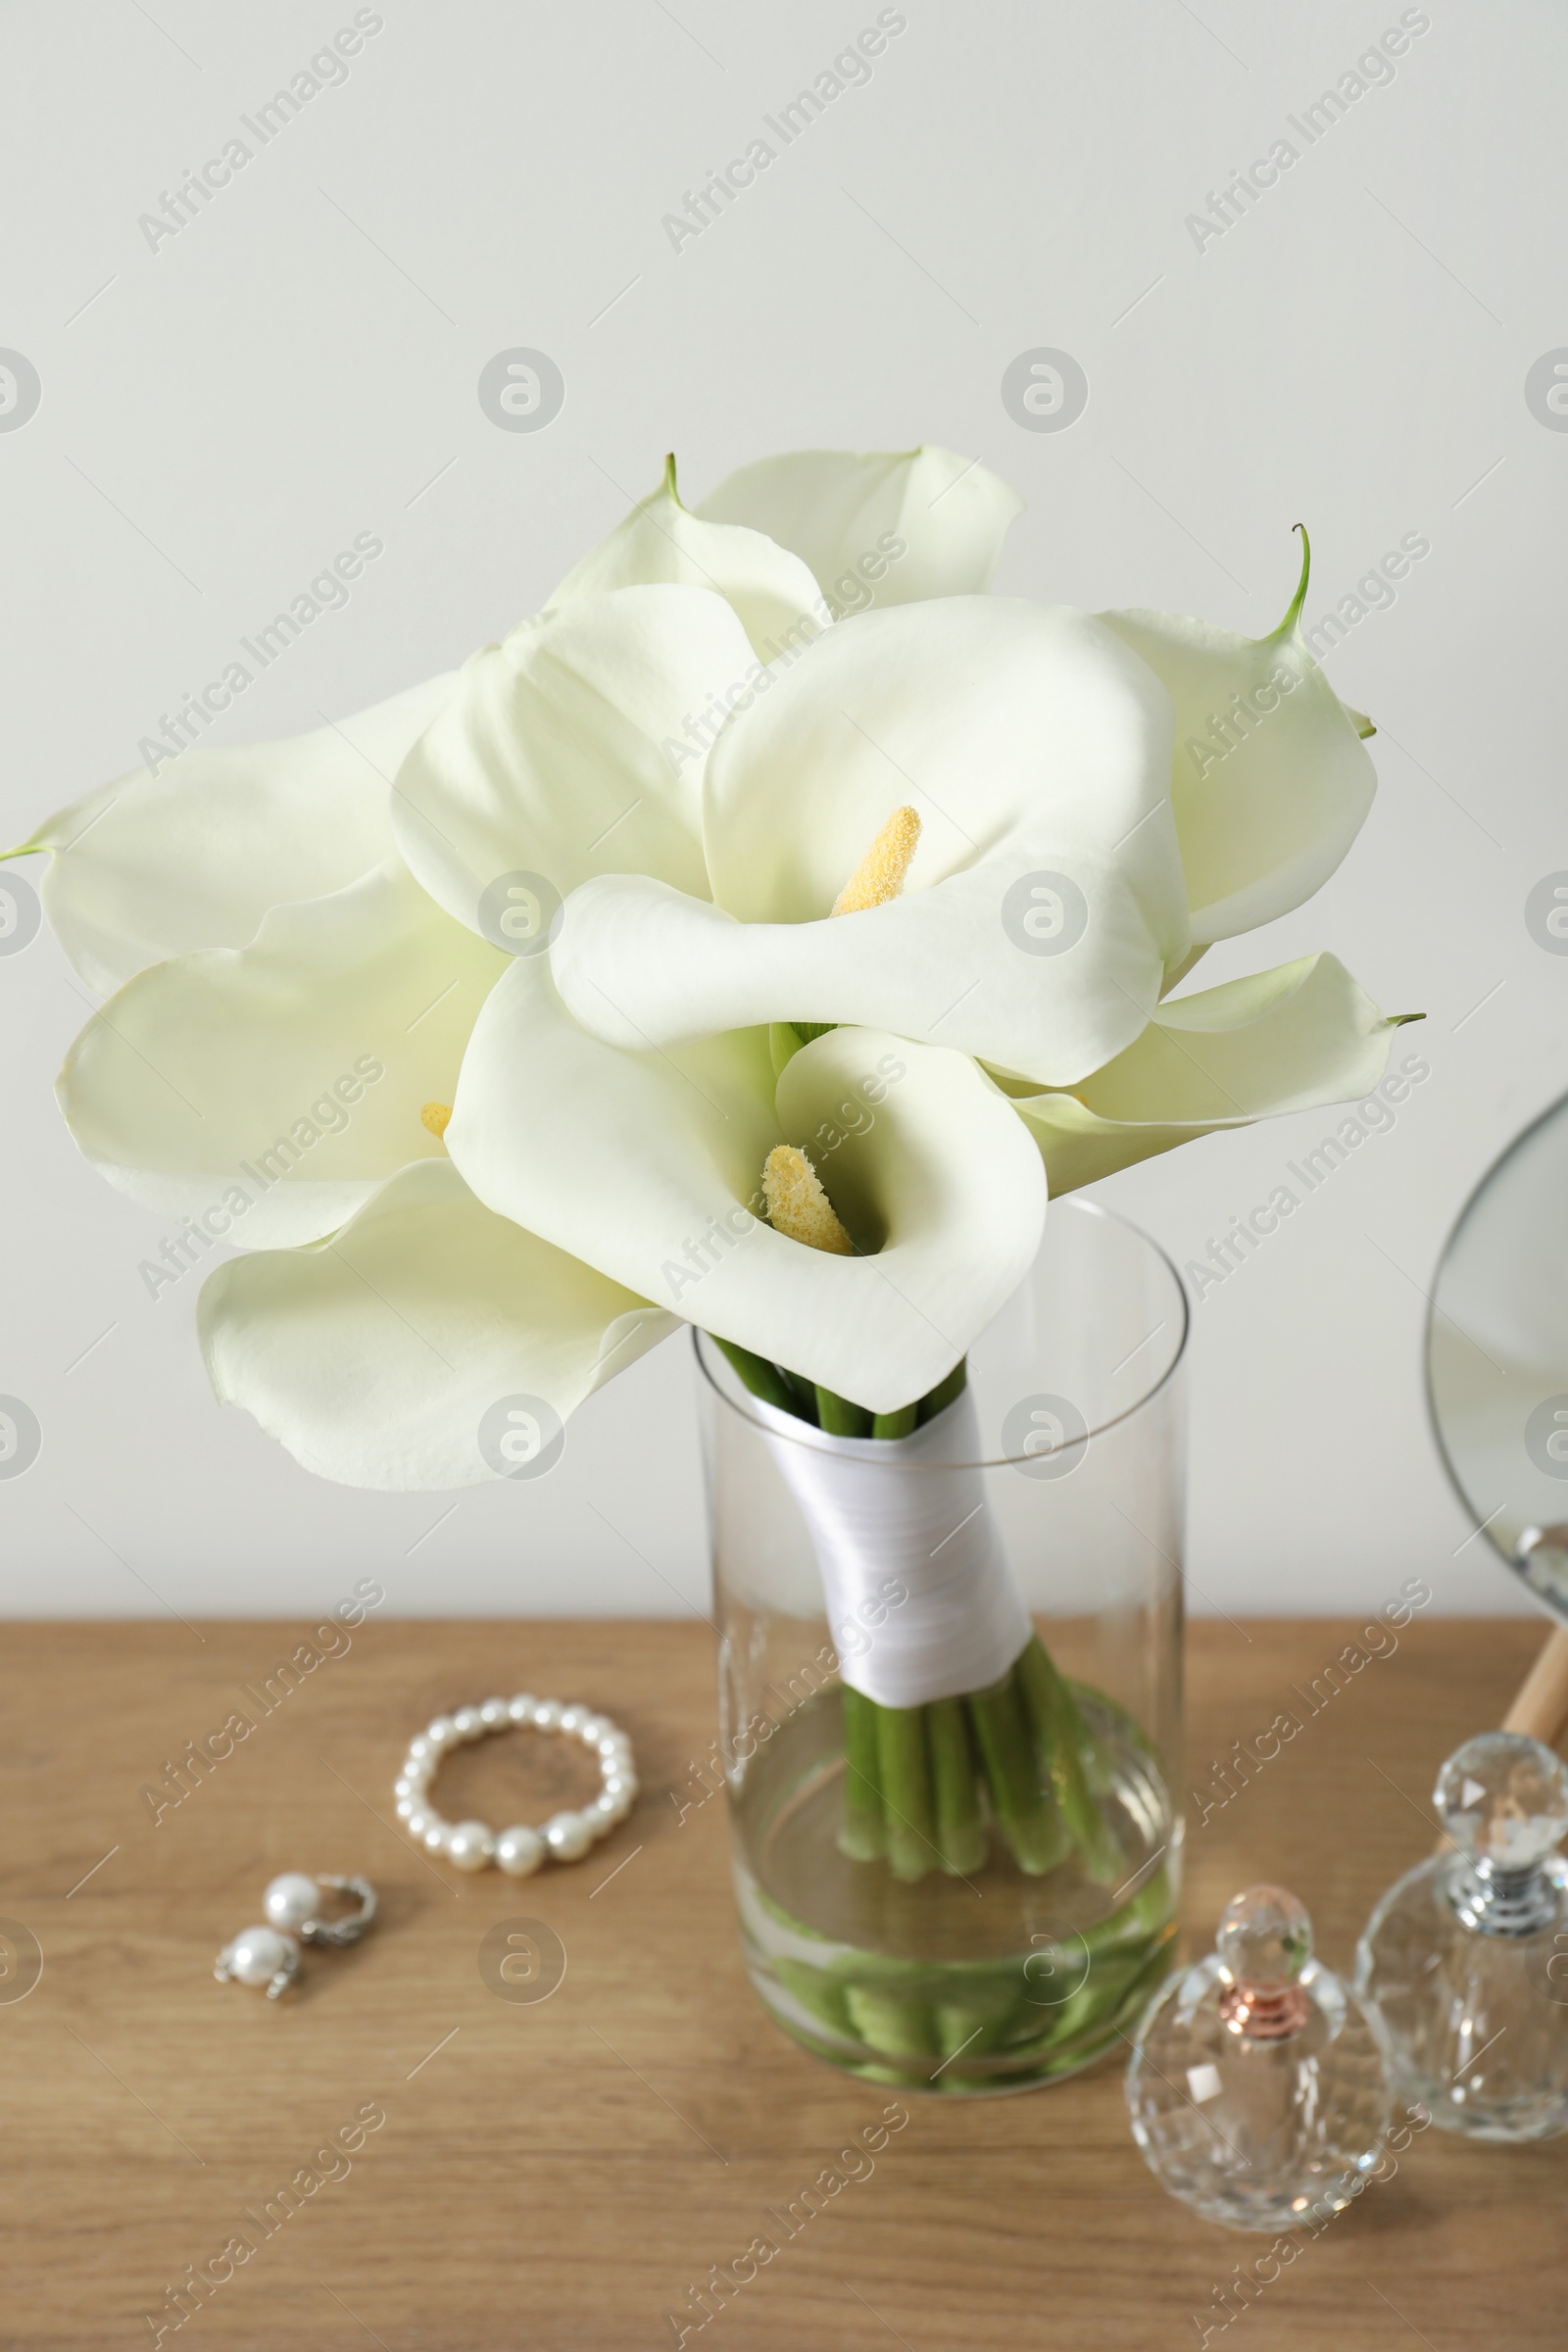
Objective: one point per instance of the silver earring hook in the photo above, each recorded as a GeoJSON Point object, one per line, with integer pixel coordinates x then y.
{"type": "Point", "coordinates": [342, 1931]}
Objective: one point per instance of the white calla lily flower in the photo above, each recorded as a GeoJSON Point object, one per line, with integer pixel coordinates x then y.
{"type": "Point", "coordinates": [291, 1074]}
{"type": "Point", "coordinates": [387, 1357]}
{"type": "Point", "coordinates": [1270, 783]}
{"type": "Point", "coordinates": [548, 761]}
{"type": "Point", "coordinates": [773, 592]}
{"type": "Point", "coordinates": [1043, 904]}
{"type": "Point", "coordinates": [876, 527]}
{"type": "Point", "coordinates": [191, 854]}
{"type": "Point", "coordinates": [649, 1165]}
{"type": "Point", "coordinates": [1303, 1034]}
{"type": "Point", "coordinates": [567, 917]}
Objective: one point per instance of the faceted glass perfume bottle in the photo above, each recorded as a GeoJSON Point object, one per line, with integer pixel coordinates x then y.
{"type": "Point", "coordinates": [1255, 2087]}
{"type": "Point", "coordinates": [1464, 1963]}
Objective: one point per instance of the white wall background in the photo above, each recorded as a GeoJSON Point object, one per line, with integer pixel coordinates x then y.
{"type": "Point", "coordinates": [220, 415]}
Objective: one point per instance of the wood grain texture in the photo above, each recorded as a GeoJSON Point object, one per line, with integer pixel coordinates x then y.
{"type": "Point", "coordinates": [555, 2175]}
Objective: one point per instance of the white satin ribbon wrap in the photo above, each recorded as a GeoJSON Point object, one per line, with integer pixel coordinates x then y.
{"type": "Point", "coordinates": [920, 1601]}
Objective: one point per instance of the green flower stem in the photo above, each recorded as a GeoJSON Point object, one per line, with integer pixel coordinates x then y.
{"type": "Point", "coordinates": [1140, 1915]}
{"type": "Point", "coordinates": [802, 1392]}
{"type": "Point", "coordinates": [839, 1417]}
{"type": "Point", "coordinates": [1064, 1745]}
{"type": "Point", "coordinates": [936, 1400]}
{"type": "Point", "coordinates": [960, 1831]}
{"type": "Point", "coordinates": [862, 1831]}
{"type": "Point", "coordinates": [895, 1425]}
{"type": "Point", "coordinates": [905, 1772]}
{"type": "Point", "coordinates": [777, 1385]}
{"type": "Point", "coordinates": [974, 2018]}
{"type": "Point", "coordinates": [899, 2023]}
{"type": "Point", "coordinates": [1002, 1733]}
{"type": "Point", "coordinates": [911, 2017]}
{"type": "Point", "coordinates": [763, 1379]}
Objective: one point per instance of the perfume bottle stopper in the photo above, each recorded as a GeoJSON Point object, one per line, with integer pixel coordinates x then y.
{"type": "Point", "coordinates": [1264, 1941]}
{"type": "Point", "coordinates": [1504, 1800]}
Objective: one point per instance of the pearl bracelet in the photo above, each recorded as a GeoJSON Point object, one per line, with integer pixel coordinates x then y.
{"type": "Point", "coordinates": [472, 1844]}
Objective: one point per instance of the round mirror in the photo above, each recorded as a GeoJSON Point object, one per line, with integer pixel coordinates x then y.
{"type": "Point", "coordinates": [1498, 1356]}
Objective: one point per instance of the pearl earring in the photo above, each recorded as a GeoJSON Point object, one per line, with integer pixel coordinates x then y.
{"type": "Point", "coordinates": [269, 1955]}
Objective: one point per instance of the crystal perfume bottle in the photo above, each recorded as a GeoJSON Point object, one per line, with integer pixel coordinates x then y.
{"type": "Point", "coordinates": [1464, 1963]}
{"type": "Point", "coordinates": [1255, 2087]}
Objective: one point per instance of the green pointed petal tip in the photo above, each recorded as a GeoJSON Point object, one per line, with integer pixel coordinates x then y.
{"type": "Point", "coordinates": [1358, 718]}
{"type": "Point", "coordinates": [1294, 612]}
{"type": "Point", "coordinates": [1402, 1020]}
{"type": "Point", "coordinates": [27, 848]}
{"type": "Point", "coordinates": [668, 482]}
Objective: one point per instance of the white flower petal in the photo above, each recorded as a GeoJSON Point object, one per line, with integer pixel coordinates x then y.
{"type": "Point", "coordinates": [649, 1165]}
{"type": "Point", "coordinates": [998, 721]}
{"type": "Point", "coordinates": [1045, 900]}
{"type": "Point", "coordinates": [377, 1358]}
{"type": "Point", "coordinates": [928, 1176]}
{"type": "Point", "coordinates": [876, 527]}
{"type": "Point", "coordinates": [598, 1150]}
{"type": "Point", "coordinates": [642, 966]}
{"type": "Point", "coordinates": [266, 1092]}
{"type": "Point", "coordinates": [1269, 780]}
{"type": "Point", "coordinates": [771, 591]}
{"type": "Point", "coordinates": [1304, 1033]}
{"type": "Point", "coordinates": [576, 748]}
{"type": "Point", "coordinates": [192, 855]}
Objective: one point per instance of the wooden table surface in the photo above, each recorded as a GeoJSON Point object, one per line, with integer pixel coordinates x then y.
{"type": "Point", "coordinates": [558, 2173]}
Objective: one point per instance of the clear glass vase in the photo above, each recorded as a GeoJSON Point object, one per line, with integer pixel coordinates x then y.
{"type": "Point", "coordinates": [1007, 1944]}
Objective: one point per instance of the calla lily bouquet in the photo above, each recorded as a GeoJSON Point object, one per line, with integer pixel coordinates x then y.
{"type": "Point", "coordinates": [755, 937]}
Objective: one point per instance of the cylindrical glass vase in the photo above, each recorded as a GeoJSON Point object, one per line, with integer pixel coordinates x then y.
{"type": "Point", "coordinates": [1007, 1943]}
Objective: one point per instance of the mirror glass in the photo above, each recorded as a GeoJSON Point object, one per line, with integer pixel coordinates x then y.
{"type": "Point", "coordinates": [1498, 1356]}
